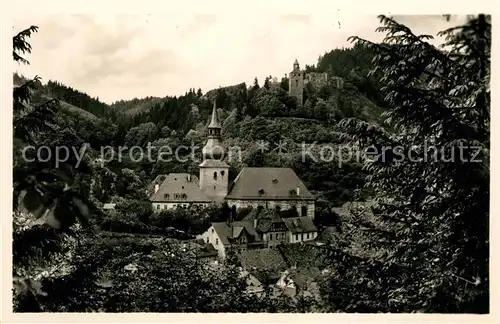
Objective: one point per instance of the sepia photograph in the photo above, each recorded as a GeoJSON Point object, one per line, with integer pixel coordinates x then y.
{"type": "Point", "coordinates": [261, 163]}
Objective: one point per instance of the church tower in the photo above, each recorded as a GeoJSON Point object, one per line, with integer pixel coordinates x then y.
{"type": "Point", "coordinates": [296, 83]}
{"type": "Point", "coordinates": [214, 172]}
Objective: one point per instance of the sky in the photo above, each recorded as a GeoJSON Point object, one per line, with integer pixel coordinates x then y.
{"type": "Point", "coordinates": [126, 56]}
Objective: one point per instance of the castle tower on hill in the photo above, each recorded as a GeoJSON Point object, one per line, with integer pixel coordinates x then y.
{"type": "Point", "coordinates": [214, 172]}
{"type": "Point", "coordinates": [296, 82]}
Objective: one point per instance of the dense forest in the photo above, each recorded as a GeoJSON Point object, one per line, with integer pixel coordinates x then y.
{"type": "Point", "coordinates": [418, 256]}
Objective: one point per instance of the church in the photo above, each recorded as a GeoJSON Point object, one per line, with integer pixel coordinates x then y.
{"type": "Point", "coordinates": [270, 188]}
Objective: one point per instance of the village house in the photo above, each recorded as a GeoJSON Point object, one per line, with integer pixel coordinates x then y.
{"type": "Point", "coordinates": [259, 229]}
{"type": "Point", "coordinates": [276, 188]}
{"type": "Point", "coordinates": [240, 235]}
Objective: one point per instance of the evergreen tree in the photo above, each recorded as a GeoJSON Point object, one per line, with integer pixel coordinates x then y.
{"type": "Point", "coordinates": [438, 102]}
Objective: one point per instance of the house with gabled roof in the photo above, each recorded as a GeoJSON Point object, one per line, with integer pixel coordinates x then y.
{"type": "Point", "coordinates": [239, 235]}
{"type": "Point", "coordinates": [261, 228]}
{"type": "Point", "coordinates": [270, 188]}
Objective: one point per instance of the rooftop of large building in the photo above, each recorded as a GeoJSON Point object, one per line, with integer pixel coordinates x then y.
{"type": "Point", "coordinates": [268, 184]}
{"type": "Point", "coordinates": [179, 187]}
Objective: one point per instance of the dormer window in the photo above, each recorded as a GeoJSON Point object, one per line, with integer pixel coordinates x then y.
{"type": "Point", "coordinates": [184, 196]}
{"type": "Point", "coordinates": [293, 192]}
{"type": "Point", "coordinates": [167, 196]}
{"type": "Point", "coordinates": [275, 180]}
{"type": "Point", "coordinates": [261, 191]}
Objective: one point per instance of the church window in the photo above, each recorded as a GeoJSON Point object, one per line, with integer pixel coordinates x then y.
{"type": "Point", "coordinates": [304, 211]}
{"type": "Point", "coordinates": [216, 241]}
{"type": "Point", "coordinates": [212, 230]}
{"type": "Point", "coordinates": [222, 173]}
{"type": "Point", "coordinates": [270, 236]}
{"type": "Point", "coordinates": [215, 175]}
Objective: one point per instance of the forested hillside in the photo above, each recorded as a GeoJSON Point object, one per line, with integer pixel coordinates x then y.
{"type": "Point", "coordinates": [422, 246]}
{"type": "Point", "coordinates": [249, 114]}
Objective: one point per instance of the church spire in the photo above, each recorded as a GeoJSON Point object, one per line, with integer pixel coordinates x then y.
{"type": "Point", "coordinates": [214, 122]}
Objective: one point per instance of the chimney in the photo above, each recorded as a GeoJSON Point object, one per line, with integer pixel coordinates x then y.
{"type": "Point", "coordinates": [255, 222]}
{"type": "Point", "coordinates": [157, 187]}
{"type": "Point", "coordinates": [298, 191]}
{"type": "Point", "coordinates": [189, 178]}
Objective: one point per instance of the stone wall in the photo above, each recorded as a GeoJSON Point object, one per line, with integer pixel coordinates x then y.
{"type": "Point", "coordinates": [317, 79]}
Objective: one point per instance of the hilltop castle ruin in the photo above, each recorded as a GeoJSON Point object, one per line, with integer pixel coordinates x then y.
{"type": "Point", "coordinates": [298, 79]}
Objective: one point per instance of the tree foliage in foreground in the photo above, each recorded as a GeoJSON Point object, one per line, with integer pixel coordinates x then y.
{"type": "Point", "coordinates": [438, 206]}
{"type": "Point", "coordinates": [49, 197]}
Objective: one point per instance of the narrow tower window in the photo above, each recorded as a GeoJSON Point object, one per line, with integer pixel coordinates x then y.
{"type": "Point", "coordinates": [215, 175]}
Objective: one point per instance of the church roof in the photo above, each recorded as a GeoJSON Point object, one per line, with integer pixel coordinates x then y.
{"type": "Point", "coordinates": [176, 185]}
{"type": "Point", "coordinates": [214, 121]}
{"type": "Point", "coordinates": [268, 184]}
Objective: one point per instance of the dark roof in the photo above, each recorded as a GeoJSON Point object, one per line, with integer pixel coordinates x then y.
{"type": "Point", "coordinates": [268, 220]}
{"type": "Point", "coordinates": [202, 249]}
{"type": "Point", "coordinates": [300, 224]}
{"type": "Point", "coordinates": [177, 183]}
{"type": "Point", "coordinates": [268, 184]}
{"type": "Point", "coordinates": [262, 260]}
{"type": "Point", "coordinates": [302, 276]}
{"type": "Point", "coordinates": [304, 255]}
{"type": "Point", "coordinates": [207, 250]}
{"type": "Point", "coordinates": [226, 232]}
